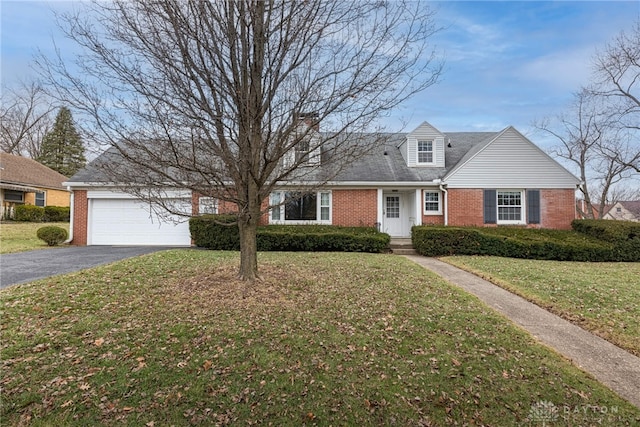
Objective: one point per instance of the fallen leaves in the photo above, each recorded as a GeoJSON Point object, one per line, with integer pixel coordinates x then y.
{"type": "Point", "coordinates": [342, 339]}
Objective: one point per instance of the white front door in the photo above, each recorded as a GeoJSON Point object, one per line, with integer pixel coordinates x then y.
{"type": "Point", "coordinates": [393, 214]}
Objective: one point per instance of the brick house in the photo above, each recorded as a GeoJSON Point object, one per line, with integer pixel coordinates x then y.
{"type": "Point", "coordinates": [24, 181]}
{"type": "Point", "coordinates": [421, 177]}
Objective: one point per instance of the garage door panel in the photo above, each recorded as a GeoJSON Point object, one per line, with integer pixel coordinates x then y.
{"type": "Point", "coordinates": [131, 222]}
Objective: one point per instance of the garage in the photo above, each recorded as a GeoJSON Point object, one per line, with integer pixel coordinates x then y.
{"type": "Point", "coordinates": [119, 219]}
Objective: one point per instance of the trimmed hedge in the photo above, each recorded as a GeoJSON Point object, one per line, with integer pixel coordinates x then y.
{"type": "Point", "coordinates": [516, 243]}
{"type": "Point", "coordinates": [29, 213]}
{"type": "Point", "coordinates": [52, 235]}
{"type": "Point", "coordinates": [217, 232]}
{"type": "Point", "coordinates": [57, 213]}
{"type": "Point", "coordinates": [214, 232]}
{"type": "Point", "coordinates": [623, 235]}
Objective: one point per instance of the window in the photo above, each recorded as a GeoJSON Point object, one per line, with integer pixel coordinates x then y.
{"type": "Point", "coordinates": [40, 198]}
{"type": "Point", "coordinates": [509, 207]}
{"type": "Point", "coordinates": [207, 205]}
{"type": "Point", "coordinates": [431, 202]}
{"type": "Point", "coordinates": [13, 196]}
{"type": "Point", "coordinates": [425, 151]}
{"type": "Point", "coordinates": [298, 207]}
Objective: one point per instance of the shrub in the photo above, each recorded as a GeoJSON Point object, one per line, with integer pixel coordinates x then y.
{"type": "Point", "coordinates": [212, 232]}
{"type": "Point", "coordinates": [29, 213]}
{"type": "Point", "coordinates": [325, 238]}
{"type": "Point", "coordinates": [624, 236]}
{"type": "Point", "coordinates": [513, 243]}
{"type": "Point", "coordinates": [52, 235]}
{"type": "Point", "coordinates": [57, 213]}
{"type": "Point", "coordinates": [217, 232]}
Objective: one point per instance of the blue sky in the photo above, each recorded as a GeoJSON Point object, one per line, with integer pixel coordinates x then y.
{"type": "Point", "coordinates": [507, 63]}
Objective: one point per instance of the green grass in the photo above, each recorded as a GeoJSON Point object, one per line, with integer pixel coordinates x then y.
{"type": "Point", "coordinates": [173, 338]}
{"type": "Point", "coordinates": [21, 236]}
{"type": "Point", "coordinates": [601, 297]}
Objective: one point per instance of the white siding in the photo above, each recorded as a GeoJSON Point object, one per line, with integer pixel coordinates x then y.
{"type": "Point", "coordinates": [425, 132]}
{"type": "Point", "coordinates": [511, 161]}
{"type": "Point", "coordinates": [438, 147]}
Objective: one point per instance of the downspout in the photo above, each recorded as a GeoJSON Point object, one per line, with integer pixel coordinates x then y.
{"type": "Point", "coordinates": [70, 239]}
{"type": "Point", "coordinates": [446, 203]}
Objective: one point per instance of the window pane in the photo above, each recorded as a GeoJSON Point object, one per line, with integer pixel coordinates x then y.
{"type": "Point", "coordinates": [275, 212]}
{"type": "Point", "coordinates": [300, 207]}
{"type": "Point", "coordinates": [13, 196]}
{"type": "Point", "coordinates": [509, 206]}
{"type": "Point", "coordinates": [425, 152]}
{"type": "Point", "coordinates": [324, 213]}
{"type": "Point", "coordinates": [40, 198]}
{"type": "Point", "coordinates": [431, 201]}
{"type": "Point", "coordinates": [393, 206]}
{"type": "Point", "coordinates": [324, 206]}
{"type": "Point", "coordinates": [208, 205]}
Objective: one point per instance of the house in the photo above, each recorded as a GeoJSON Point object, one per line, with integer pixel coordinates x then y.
{"type": "Point", "coordinates": [421, 177]}
{"type": "Point", "coordinates": [24, 181]}
{"type": "Point", "coordinates": [624, 211]}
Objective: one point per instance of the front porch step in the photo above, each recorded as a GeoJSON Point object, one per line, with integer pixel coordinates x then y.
{"type": "Point", "coordinates": [402, 247]}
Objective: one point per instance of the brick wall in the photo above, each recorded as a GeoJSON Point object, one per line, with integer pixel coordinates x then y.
{"type": "Point", "coordinates": [465, 207]}
{"type": "Point", "coordinates": [51, 198]}
{"type": "Point", "coordinates": [354, 208]}
{"type": "Point", "coordinates": [80, 216]}
{"type": "Point", "coordinates": [557, 208]}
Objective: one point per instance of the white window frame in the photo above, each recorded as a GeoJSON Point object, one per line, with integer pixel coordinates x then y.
{"type": "Point", "coordinates": [277, 212]}
{"type": "Point", "coordinates": [210, 204]}
{"type": "Point", "coordinates": [432, 152]}
{"type": "Point", "coordinates": [522, 207]}
{"type": "Point", "coordinates": [425, 201]}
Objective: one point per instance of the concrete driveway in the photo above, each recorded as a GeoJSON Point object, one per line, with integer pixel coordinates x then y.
{"type": "Point", "coordinates": [25, 267]}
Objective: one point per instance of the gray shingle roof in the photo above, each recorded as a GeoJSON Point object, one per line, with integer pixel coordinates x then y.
{"type": "Point", "coordinates": [383, 164]}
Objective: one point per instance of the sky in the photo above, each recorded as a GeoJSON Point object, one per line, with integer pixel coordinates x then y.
{"type": "Point", "coordinates": [506, 62]}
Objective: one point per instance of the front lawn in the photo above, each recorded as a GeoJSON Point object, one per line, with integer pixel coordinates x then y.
{"type": "Point", "coordinates": [325, 339]}
{"type": "Point", "coordinates": [21, 236]}
{"type": "Point", "coordinates": [603, 298]}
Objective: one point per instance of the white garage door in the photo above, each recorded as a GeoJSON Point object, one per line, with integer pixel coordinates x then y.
{"type": "Point", "coordinates": [130, 222]}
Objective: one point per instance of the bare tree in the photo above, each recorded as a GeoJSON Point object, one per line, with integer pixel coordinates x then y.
{"type": "Point", "coordinates": [211, 96]}
{"type": "Point", "coordinates": [589, 141]}
{"type": "Point", "coordinates": [25, 117]}
{"type": "Point", "coordinates": [617, 83]}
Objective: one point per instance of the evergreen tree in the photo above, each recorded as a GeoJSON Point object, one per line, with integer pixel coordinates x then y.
{"type": "Point", "coordinates": [62, 149]}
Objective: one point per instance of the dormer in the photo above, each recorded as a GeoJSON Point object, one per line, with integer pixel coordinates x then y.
{"type": "Point", "coordinates": [423, 147]}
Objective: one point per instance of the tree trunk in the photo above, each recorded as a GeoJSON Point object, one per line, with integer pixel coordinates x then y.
{"type": "Point", "coordinates": [248, 227]}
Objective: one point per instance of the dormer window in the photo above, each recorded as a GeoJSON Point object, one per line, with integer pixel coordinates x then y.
{"type": "Point", "coordinates": [302, 151]}
{"type": "Point", "coordinates": [425, 152]}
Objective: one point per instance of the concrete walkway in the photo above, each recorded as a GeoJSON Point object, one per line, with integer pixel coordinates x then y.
{"type": "Point", "coordinates": [612, 366]}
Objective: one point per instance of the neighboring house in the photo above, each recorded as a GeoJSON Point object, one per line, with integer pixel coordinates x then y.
{"type": "Point", "coordinates": [421, 177]}
{"type": "Point", "coordinates": [624, 211]}
{"type": "Point", "coordinates": [24, 181]}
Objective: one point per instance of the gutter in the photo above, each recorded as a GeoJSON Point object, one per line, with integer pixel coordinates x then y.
{"type": "Point", "coordinates": [443, 188]}
{"type": "Point", "coordinates": [70, 239]}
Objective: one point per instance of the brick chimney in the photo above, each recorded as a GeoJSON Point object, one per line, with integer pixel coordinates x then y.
{"type": "Point", "coordinates": [310, 119]}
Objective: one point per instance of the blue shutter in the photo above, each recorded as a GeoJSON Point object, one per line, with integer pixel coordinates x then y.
{"type": "Point", "coordinates": [490, 207]}
{"type": "Point", "coordinates": [533, 206]}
